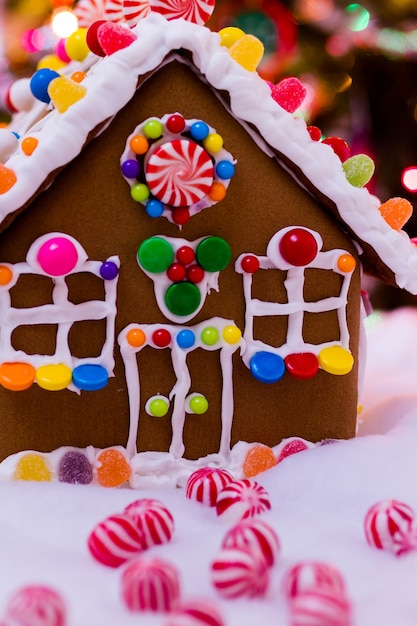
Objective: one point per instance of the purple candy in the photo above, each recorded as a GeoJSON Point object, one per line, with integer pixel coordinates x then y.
{"type": "Point", "coordinates": [130, 168]}
{"type": "Point", "coordinates": [75, 469]}
{"type": "Point", "coordinates": [109, 270]}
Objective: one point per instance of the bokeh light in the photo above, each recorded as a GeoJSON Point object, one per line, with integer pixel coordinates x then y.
{"type": "Point", "coordinates": [409, 178]}
{"type": "Point", "coordinates": [64, 23]}
{"type": "Point", "coordinates": [358, 17]}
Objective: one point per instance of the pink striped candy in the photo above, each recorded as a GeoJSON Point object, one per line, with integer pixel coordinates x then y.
{"type": "Point", "coordinates": [196, 613]}
{"type": "Point", "coordinates": [205, 484]}
{"type": "Point", "coordinates": [239, 572]}
{"type": "Point", "coordinates": [36, 605]}
{"type": "Point", "coordinates": [150, 585]}
{"type": "Point", "coordinates": [116, 540]}
{"type": "Point", "coordinates": [311, 575]}
{"type": "Point", "coordinates": [389, 525]}
{"type": "Point", "coordinates": [197, 11]}
{"type": "Point", "coordinates": [254, 534]}
{"type": "Point", "coordinates": [241, 499]}
{"type": "Point", "coordinates": [320, 607]}
{"type": "Point", "coordinates": [153, 519]}
{"type": "Point", "coordinates": [135, 10]}
{"type": "Point", "coordinates": [179, 173]}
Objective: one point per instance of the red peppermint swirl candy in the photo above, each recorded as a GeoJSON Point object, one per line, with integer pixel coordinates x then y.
{"type": "Point", "coordinates": [205, 484]}
{"type": "Point", "coordinates": [179, 173]}
{"type": "Point", "coordinates": [197, 11]}
{"type": "Point", "coordinates": [135, 10]}
{"type": "Point", "coordinates": [311, 575]}
{"type": "Point", "coordinates": [320, 607]}
{"type": "Point", "coordinates": [116, 540]}
{"type": "Point", "coordinates": [153, 519]}
{"type": "Point", "coordinates": [239, 572]}
{"type": "Point", "coordinates": [90, 11]}
{"type": "Point", "coordinates": [150, 585]}
{"type": "Point", "coordinates": [241, 499]}
{"type": "Point", "coordinates": [389, 525]}
{"type": "Point", "coordinates": [197, 613]}
{"type": "Point", "coordinates": [254, 534]}
{"type": "Point", "coordinates": [36, 605]}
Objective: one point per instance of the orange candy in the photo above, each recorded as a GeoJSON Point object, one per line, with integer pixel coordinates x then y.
{"type": "Point", "coordinates": [217, 192]}
{"type": "Point", "coordinates": [396, 212]}
{"type": "Point", "coordinates": [136, 337]}
{"type": "Point", "coordinates": [7, 179]}
{"type": "Point", "coordinates": [78, 77]}
{"type": "Point", "coordinates": [6, 275]}
{"type": "Point", "coordinates": [113, 468]}
{"type": "Point", "coordinates": [258, 459]}
{"type": "Point", "coordinates": [139, 144]}
{"type": "Point", "coordinates": [29, 145]}
{"type": "Point", "coordinates": [346, 263]}
{"type": "Point", "coordinates": [17, 376]}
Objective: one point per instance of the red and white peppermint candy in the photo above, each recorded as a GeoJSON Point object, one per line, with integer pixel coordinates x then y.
{"type": "Point", "coordinates": [135, 10]}
{"type": "Point", "coordinates": [311, 575]}
{"type": "Point", "coordinates": [179, 172]}
{"type": "Point", "coordinates": [36, 605]}
{"type": "Point", "coordinates": [197, 11]}
{"type": "Point", "coordinates": [241, 499]}
{"type": "Point", "coordinates": [150, 585]}
{"type": "Point", "coordinates": [196, 613]}
{"type": "Point", "coordinates": [116, 540]}
{"type": "Point", "coordinates": [114, 11]}
{"type": "Point", "coordinates": [254, 534]}
{"type": "Point", "coordinates": [153, 519]}
{"type": "Point", "coordinates": [90, 11]}
{"type": "Point", "coordinates": [205, 484]}
{"type": "Point", "coordinates": [320, 607]}
{"type": "Point", "coordinates": [389, 525]}
{"type": "Point", "coordinates": [239, 572]}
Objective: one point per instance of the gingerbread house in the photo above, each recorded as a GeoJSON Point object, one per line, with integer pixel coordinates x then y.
{"type": "Point", "coordinates": [180, 261]}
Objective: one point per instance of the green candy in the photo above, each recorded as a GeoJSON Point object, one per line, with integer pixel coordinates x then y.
{"type": "Point", "coordinates": [155, 255]}
{"type": "Point", "coordinates": [359, 169]}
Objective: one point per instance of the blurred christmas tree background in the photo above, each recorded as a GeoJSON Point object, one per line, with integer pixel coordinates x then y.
{"type": "Point", "coordinates": [358, 61]}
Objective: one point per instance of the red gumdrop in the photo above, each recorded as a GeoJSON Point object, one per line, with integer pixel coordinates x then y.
{"type": "Point", "coordinates": [314, 132]}
{"type": "Point", "coordinates": [292, 447]}
{"type": "Point", "coordinates": [340, 147]}
{"type": "Point", "coordinates": [113, 37]}
{"type": "Point", "coordinates": [298, 247]}
{"type": "Point", "coordinates": [289, 93]}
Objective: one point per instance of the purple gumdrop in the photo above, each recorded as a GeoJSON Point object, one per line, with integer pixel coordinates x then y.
{"type": "Point", "coordinates": [130, 168]}
{"type": "Point", "coordinates": [75, 469]}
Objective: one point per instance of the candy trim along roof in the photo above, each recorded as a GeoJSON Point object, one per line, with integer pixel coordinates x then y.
{"type": "Point", "coordinates": [250, 103]}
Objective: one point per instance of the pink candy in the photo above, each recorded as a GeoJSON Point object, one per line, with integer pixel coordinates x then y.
{"type": "Point", "coordinates": [239, 572]}
{"type": "Point", "coordinates": [205, 484]}
{"type": "Point", "coordinates": [293, 446]}
{"type": "Point", "coordinates": [116, 540]}
{"type": "Point", "coordinates": [254, 534]}
{"type": "Point", "coordinates": [289, 93]}
{"type": "Point", "coordinates": [197, 613]}
{"type": "Point", "coordinates": [113, 37]}
{"type": "Point", "coordinates": [150, 585]}
{"type": "Point", "coordinates": [313, 575]}
{"type": "Point", "coordinates": [389, 525]}
{"type": "Point", "coordinates": [241, 499]}
{"type": "Point", "coordinates": [153, 519]}
{"type": "Point", "coordinates": [35, 605]}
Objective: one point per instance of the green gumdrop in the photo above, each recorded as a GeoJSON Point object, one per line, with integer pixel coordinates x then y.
{"type": "Point", "coordinates": [359, 169]}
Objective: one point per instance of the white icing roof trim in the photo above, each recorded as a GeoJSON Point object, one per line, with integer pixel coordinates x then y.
{"type": "Point", "coordinates": [62, 135]}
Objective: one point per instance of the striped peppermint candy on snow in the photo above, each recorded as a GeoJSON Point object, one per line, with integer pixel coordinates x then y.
{"type": "Point", "coordinates": [135, 10]}
{"type": "Point", "coordinates": [150, 585]}
{"type": "Point", "coordinates": [197, 11]}
{"type": "Point", "coordinates": [195, 613]}
{"type": "Point", "coordinates": [389, 525]}
{"type": "Point", "coordinates": [116, 540]}
{"type": "Point", "coordinates": [254, 534]}
{"type": "Point", "coordinates": [239, 572]}
{"type": "Point", "coordinates": [90, 11]}
{"type": "Point", "coordinates": [205, 484]}
{"type": "Point", "coordinates": [311, 575]}
{"type": "Point", "coordinates": [241, 499]}
{"type": "Point", "coordinates": [36, 605]}
{"type": "Point", "coordinates": [320, 607]}
{"type": "Point", "coordinates": [153, 519]}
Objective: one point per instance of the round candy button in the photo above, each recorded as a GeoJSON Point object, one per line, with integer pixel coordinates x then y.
{"type": "Point", "coordinates": [155, 255]}
{"type": "Point", "coordinates": [54, 377]}
{"type": "Point", "coordinates": [267, 367]}
{"type": "Point", "coordinates": [182, 298]}
{"type": "Point", "coordinates": [303, 365]}
{"type": "Point", "coordinates": [57, 256]}
{"type": "Point", "coordinates": [298, 247]}
{"type": "Point", "coordinates": [185, 338]}
{"type": "Point", "coordinates": [336, 360]}
{"type": "Point", "coordinates": [90, 377]}
{"type": "Point", "coordinates": [213, 254]}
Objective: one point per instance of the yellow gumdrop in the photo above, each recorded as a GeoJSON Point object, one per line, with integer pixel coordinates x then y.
{"type": "Point", "coordinates": [396, 212]}
{"type": "Point", "coordinates": [76, 45]}
{"type": "Point", "coordinates": [336, 360]}
{"type": "Point", "coordinates": [248, 52]}
{"type": "Point", "coordinates": [65, 92]}
{"type": "Point", "coordinates": [54, 377]}
{"type": "Point", "coordinates": [51, 62]}
{"type": "Point", "coordinates": [32, 466]}
{"type": "Point", "coordinates": [230, 35]}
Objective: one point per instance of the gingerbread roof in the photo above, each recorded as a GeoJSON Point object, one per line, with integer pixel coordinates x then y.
{"type": "Point", "coordinates": [112, 81]}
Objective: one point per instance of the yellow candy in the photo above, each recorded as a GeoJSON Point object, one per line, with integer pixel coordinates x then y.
{"type": "Point", "coordinates": [213, 142]}
{"type": "Point", "coordinates": [51, 62]}
{"type": "Point", "coordinates": [230, 35]}
{"type": "Point", "coordinates": [65, 92]}
{"type": "Point", "coordinates": [32, 466]}
{"type": "Point", "coordinates": [54, 377]}
{"type": "Point", "coordinates": [396, 212]}
{"type": "Point", "coordinates": [336, 360]}
{"type": "Point", "coordinates": [232, 334]}
{"type": "Point", "coordinates": [76, 45]}
{"type": "Point", "coordinates": [248, 52]}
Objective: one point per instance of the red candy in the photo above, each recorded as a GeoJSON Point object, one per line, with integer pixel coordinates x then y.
{"type": "Point", "coordinates": [239, 572]}
{"type": "Point", "coordinates": [294, 445]}
{"type": "Point", "coordinates": [196, 613]}
{"type": "Point", "coordinates": [241, 499]}
{"type": "Point", "coordinates": [320, 607]}
{"type": "Point", "coordinates": [36, 605]}
{"type": "Point", "coordinates": [311, 575]}
{"type": "Point", "coordinates": [298, 247]}
{"type": "Point", "coordinates": [340, 147]}
{"type": "Point", "coordinates": [254, 534]}
{"type": "Point", "coordinates": [135, 10]}
{"type": "Point", "coordinates": [91, 38]}
{"type": "Point", "coordinates": [113, 37]}
{"type": "Point", "coordinates": [314, 132]}
{"type": "Point", "coordinates": [197, 11]}
{"type": "Point", "coordinates": [116, 540]}
{"type": "Point", "coordinates": [205, 484]}
{"type": "Point", "coordinates": [150, 585]}
{"type": "Point", "coordinates": [250, 264]}
{"type": "Point", "coordinates": [289, 93]}
{"type": "Point", "coordinates": [153, 519]}
{"type": "Point", "coordinates": [389, 525]}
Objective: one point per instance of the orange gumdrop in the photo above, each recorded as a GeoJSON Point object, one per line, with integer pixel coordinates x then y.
{"type": "Point", "coordinates": [258, 459]}
{"type": "Point", "coordinates": [7, 179]}
{"type": "Point", "coordinates": [113, 468]}
{"type": "Point", "coordinates": [396, 212]}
